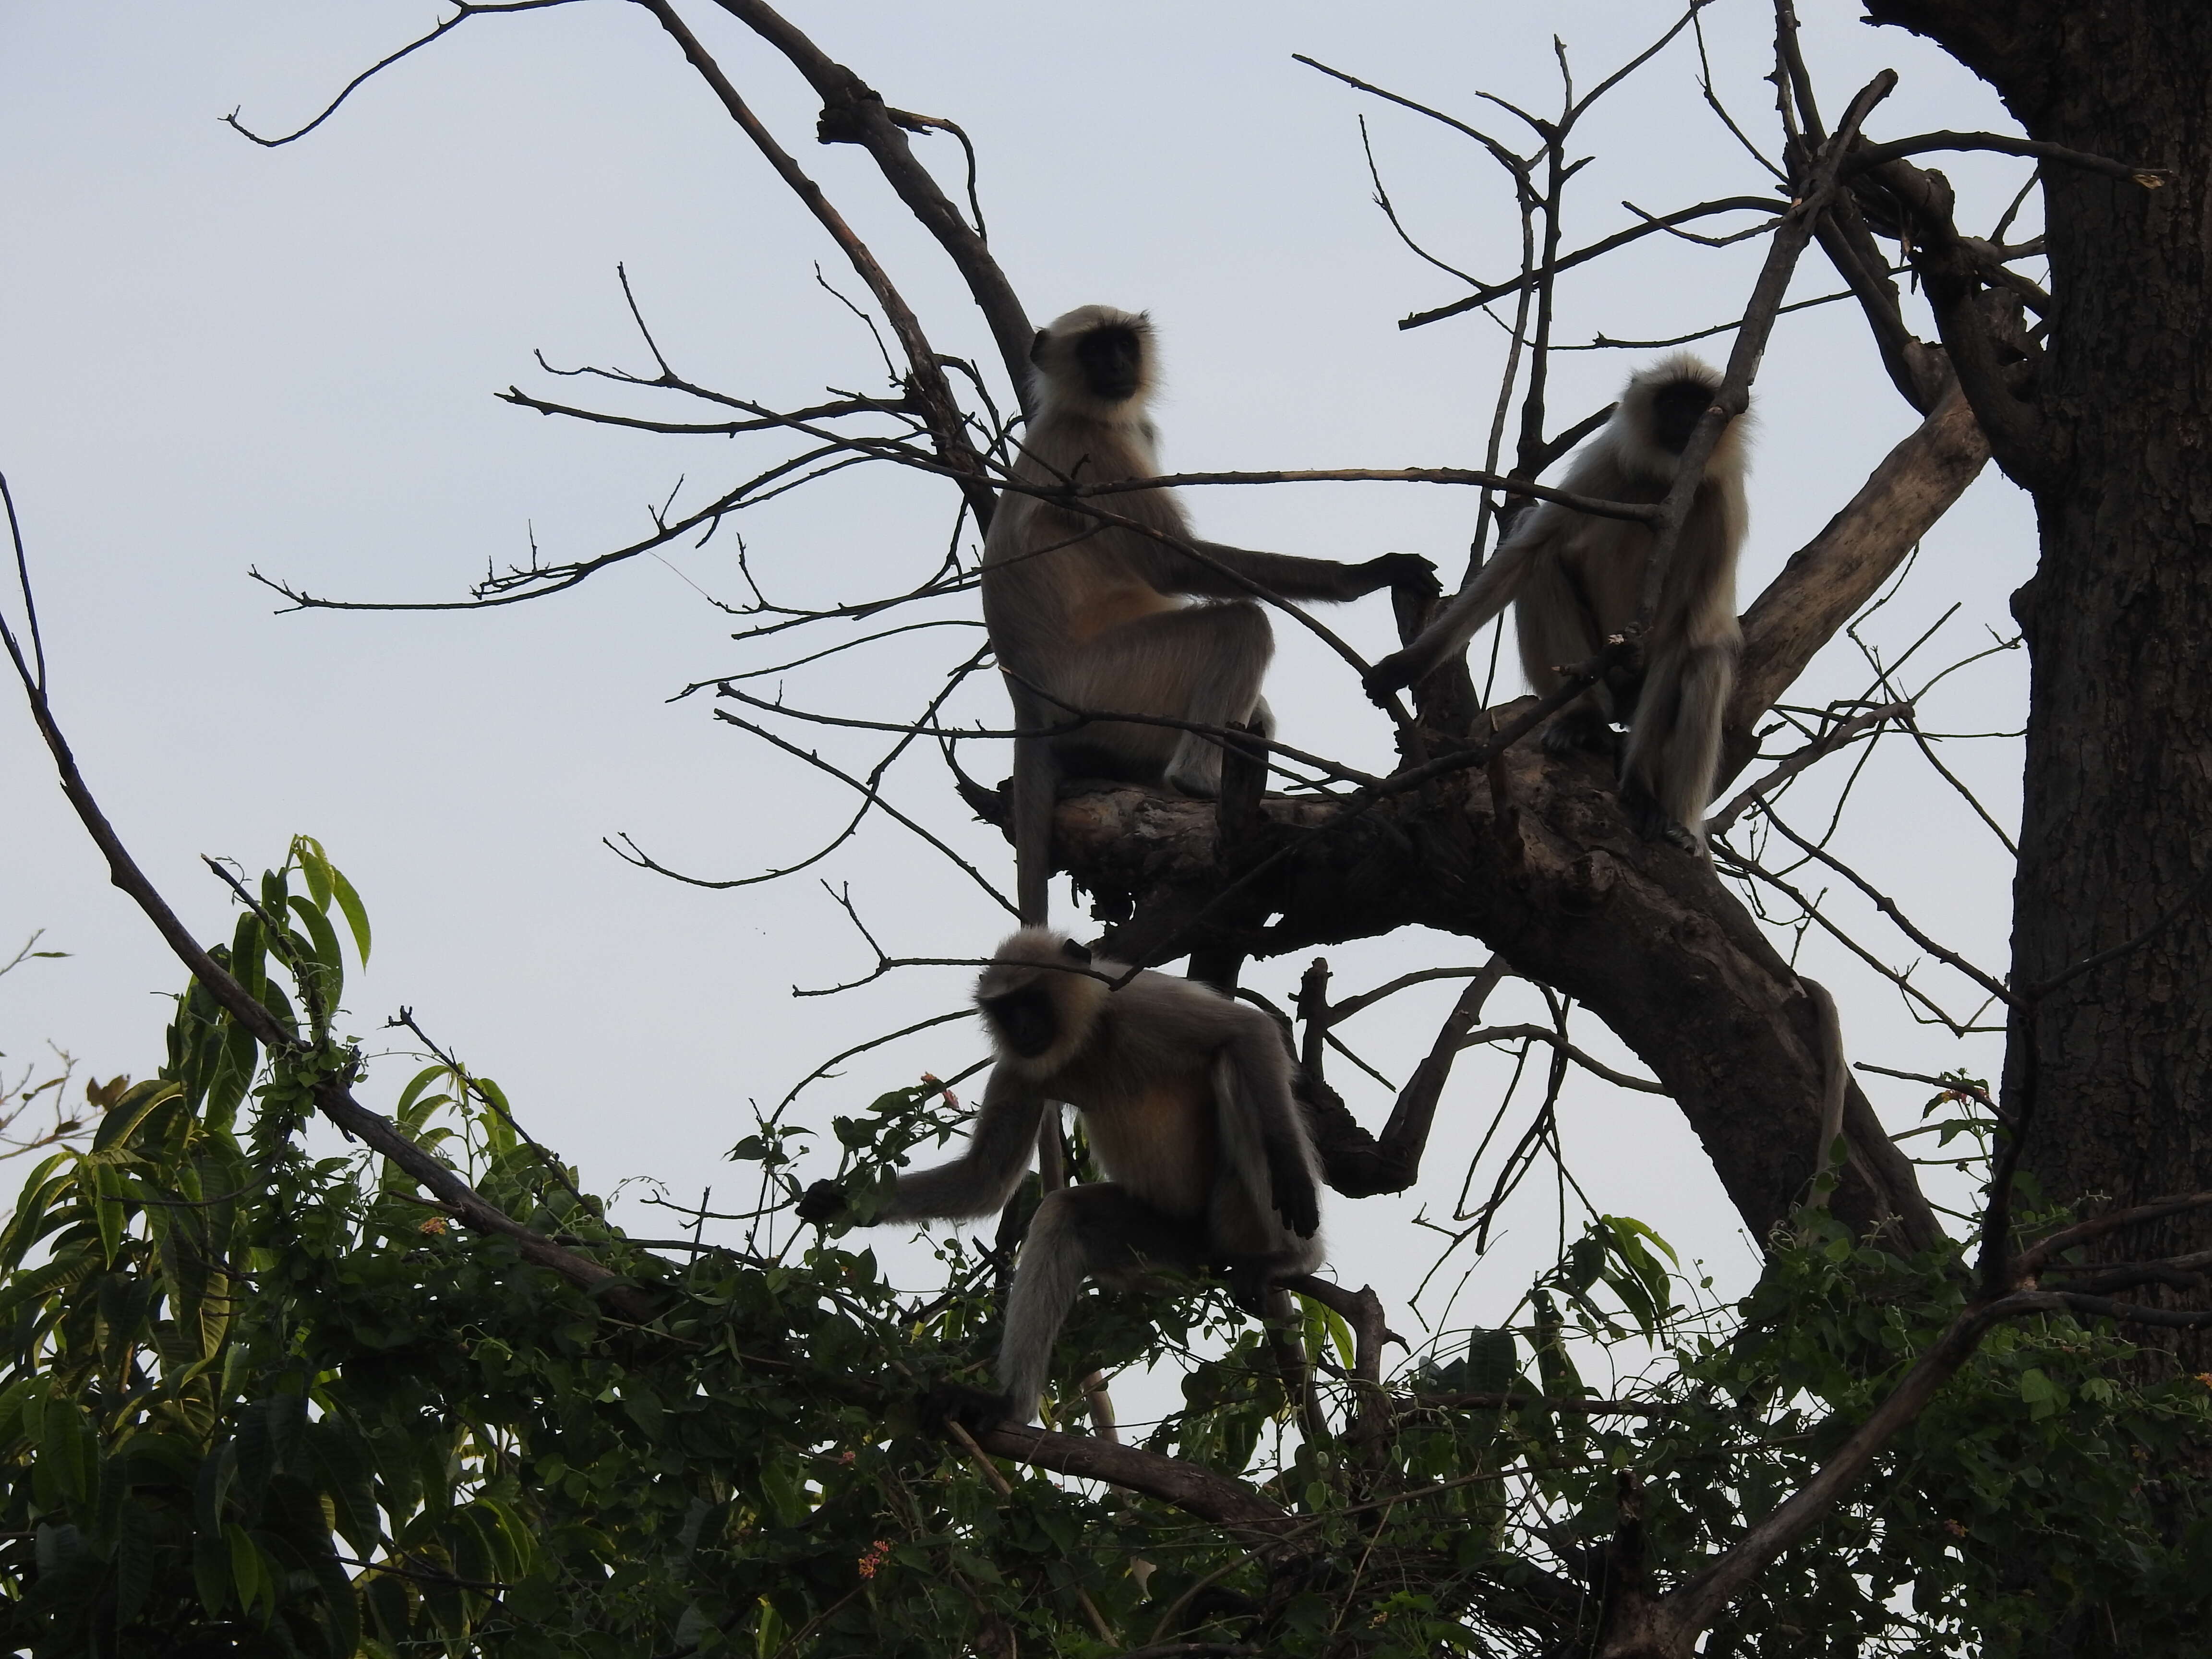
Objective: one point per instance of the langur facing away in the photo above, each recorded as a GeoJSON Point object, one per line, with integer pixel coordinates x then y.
{"type": "Point", "coordinates": [1085, 615]}
{"type": "Point", "coordinates": [1575, 581]}
{"type": "Point", "coordinates": [1186, 1102]}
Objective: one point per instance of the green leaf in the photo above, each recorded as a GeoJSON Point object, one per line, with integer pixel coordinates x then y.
{"type": "Point", "coordinates": [342, 1459]}
{"type": "Point", "coordinates": [247, 1575]}
{"type": "Point", "coordinates": [68, 1448]}
{"type": "Point", "coordinates": [137, 1532]}
{"type": "Point", "coordinates": [341, 1603]}
{"type": "Point", "coordinates": [307, 854]}
{"type": "Point", "coordinates": [1322, 1320]}
{"type": "Point", "coordinates": [356, 913]}
{"type": "Point", "coordinates": [212, 1573]}
{"type": "Point", "coordinates": [325, 940]}
{"type": "Point", "coordinates": [109, 1189]}
{"type": "Point", "coordinates": [123, 1119]}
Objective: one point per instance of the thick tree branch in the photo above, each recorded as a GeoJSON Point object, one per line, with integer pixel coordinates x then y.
{"type": "Point", "coordinates": [1832, 576]}
{"type": "Point", "coordinates": [1535, 859]}
{"type": "Point", "coordinates": [1188, 1486]}
{"type": "Point", "coordinates": [1360, 1164]}
{"type": "Point", "coordinates": [1815, 191]}
{"type": "Point", "coordinates": [1951, 275]}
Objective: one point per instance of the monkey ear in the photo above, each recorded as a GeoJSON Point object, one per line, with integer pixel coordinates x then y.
{"type": "Point", "coordinates": [1037, 346]}
{"type": "Point", "coordinates": [1076, 953]}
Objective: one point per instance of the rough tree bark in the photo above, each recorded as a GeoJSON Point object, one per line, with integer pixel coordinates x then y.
{"type": "Point", "coordinates": [1537, 860]}
{"type": "Point", "coordinates": [2116, 1061]}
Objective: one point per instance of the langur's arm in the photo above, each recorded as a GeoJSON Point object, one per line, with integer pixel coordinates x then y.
{"type": "Point", "coordinates": [1490, 592]}
{"type": "Point", "coordinates": [1285, 575]}
{"type": "Point", "coordinates": [1261, 1130]}
{"type": "Point", "coordinates": [982, 1179]}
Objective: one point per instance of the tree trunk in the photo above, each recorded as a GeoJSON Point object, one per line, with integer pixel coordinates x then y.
{"type": "Point", "coordinates": [2116, 825]}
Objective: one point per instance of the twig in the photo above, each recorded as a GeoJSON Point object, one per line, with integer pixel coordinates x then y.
{"type": "Point", "coordinates": [1826, 744]}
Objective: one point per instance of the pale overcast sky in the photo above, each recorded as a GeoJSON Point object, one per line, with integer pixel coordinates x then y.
{"type": "Point", "coordinates": [215, 356]}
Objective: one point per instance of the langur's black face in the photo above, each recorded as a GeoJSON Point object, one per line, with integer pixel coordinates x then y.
{"type": "Point", "coordinates": [1675, 408]}
{"type": "Point", "coordinates": [1112, 359]}
{"type": "Point", "coordinates": [1022, 1019]}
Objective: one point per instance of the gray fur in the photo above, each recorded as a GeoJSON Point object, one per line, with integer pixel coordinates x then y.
{"type": "Point", "coordinates": [1156, 1039]}
{"type": "Point", "coordinates": [1575, 580]}
{"type": "Point", "coordinates": [1090, 616]}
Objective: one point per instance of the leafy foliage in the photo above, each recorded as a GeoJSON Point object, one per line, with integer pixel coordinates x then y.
{"type": "Point", "coordinates": [261, 1396]}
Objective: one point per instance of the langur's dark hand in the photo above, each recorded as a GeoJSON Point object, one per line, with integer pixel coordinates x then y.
{"type": "Point", "coordinates": [823, 1201]}
{"type": "Point", "coordinates": [1299, 1206]}
{"type": "Point", "coordinates": [1405, 573]}
{"type": "Point", "coordinates": [1387, 677]}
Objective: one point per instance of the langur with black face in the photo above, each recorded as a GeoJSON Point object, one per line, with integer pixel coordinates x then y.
{"type": "Point", "coordinates": [1090, 616]}
{"type": "Point", "coordinates": [1185, 1097]}
{"type": "Point", "coordinates": [1575, 580]}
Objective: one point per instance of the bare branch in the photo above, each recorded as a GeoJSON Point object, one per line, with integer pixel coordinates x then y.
{"type": "Point", "coordinates": [462, 14]}
{"type": "Point", "coordinates": [925, 374]}
{"type": "Point", "coordinates": [1871, 155]}
{"type": "Point", "coordinates": [854, 113]}
{"type": "Point", "coordinates": [1832, 576]}
{"type": "Point", "coordinates": [1836, 737]}
{"type": "Point", "coordinates": [1484, 296]}
{"type": "Point", "coordinates": [1792, 235]}
{"type": "Point", "coordinates": [1995, 986]}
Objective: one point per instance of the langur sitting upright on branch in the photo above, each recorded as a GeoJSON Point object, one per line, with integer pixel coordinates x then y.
{"type": "Point", "coordinates": [1088, 616]}
{"type": "Point", "coordinates": [1575, 581]}
{"type": "Point", "coordinates": [1185, 1097]}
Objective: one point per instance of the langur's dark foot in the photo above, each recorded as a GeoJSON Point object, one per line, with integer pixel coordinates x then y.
{"type": "Point", "coordinates": [1579, 731]}
{"type": "Point", "coordinates": [973, 1409]}
{"type": "Point", "coordinates": [1248, 1282]}
{"type": "Point", "coordinates": [1650, 821]}
{"type": "Point", "coordinates": [823, 1201]}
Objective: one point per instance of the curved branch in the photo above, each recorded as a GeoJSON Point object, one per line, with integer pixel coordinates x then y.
{"type": "Point", "coordinates": [853, 113]}
{"type": "Point", "coordinates": [332, 1096]}
{"type": "Point", "coordinates": [1190, 1487]}
{"type": "Point", "coordinates": [460, 16]}
{"type": "Point", "coordinates": [925, 371]}
{"type": "Point", "coordinates": [1483, 296]}
{"type": "Point", "coordinates": [1873, 155]}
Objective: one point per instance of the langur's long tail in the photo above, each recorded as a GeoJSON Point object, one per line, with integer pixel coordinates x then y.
{"type": "Point", "coordinates": [1035, 793]}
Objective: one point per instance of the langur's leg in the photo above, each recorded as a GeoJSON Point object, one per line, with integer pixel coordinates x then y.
{"type": "Point", "coordinates": [1202, 663]}
{"type": "Point", "coordinates": [1552, 619]}
{"type": "Point", "coordinates": [1035, 793]}
{"type": "Point", "coordinates": [1234, 652]}
{"type": "Point", "coordinates": [1673, 750]}
{"type": "Point", "coordinates": [1078, 1232]}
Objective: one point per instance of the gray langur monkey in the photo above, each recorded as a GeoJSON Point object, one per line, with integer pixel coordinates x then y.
{"type": "Point", "coordinates": [1575, 580]}
{"type": "Point", "coordinates": [1094, 617]}
{"type": "Point", "coordinates": [1185, 1097]}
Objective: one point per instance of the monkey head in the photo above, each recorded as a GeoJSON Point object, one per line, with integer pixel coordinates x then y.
{"type": "Point", "coordinates": [1659, 410]}
{"type": "Point", "coordinates": [1040, 998]}
{"type": "Point", "coordinates": [1095, 360]}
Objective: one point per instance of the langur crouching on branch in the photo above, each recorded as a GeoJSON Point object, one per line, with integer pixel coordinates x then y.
{"type": "Point", "coordinates": [1087, 616]}
{"type": "Point", "coordinates": [1186, 1102]}
{"type": "Point", "coordinates": [1575, 581]}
